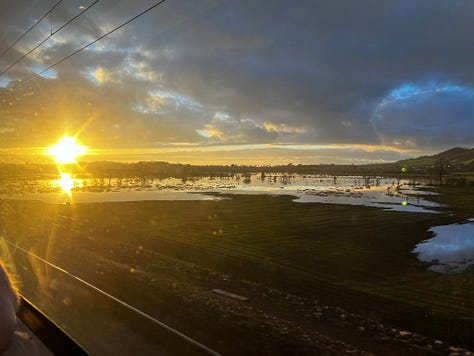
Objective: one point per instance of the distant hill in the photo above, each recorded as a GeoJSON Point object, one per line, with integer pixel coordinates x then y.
{"type": "Point", "coordinates": [457, 160]}
{"type": "Point", "coordinates": [457, 157]}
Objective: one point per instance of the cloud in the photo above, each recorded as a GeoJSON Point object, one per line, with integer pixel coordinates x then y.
{"type": "Point", "coordinates": [220, 73]}
{"type": "Point", "coordinates": [225, 129]}
{"type": "Point", "coordinates": [97, 75]}
{"type": "Point", "coordinates": [283, 128]}
{"type": "Point", "coordinates": [210, 131]}
{"type": "Point", "coordinates": [426, 115]}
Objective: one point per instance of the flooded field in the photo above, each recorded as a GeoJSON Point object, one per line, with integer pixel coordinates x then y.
{"type": "Point", "coordinates": [382, 192]}
{"type": "Point", "coordinates": [285, 242]}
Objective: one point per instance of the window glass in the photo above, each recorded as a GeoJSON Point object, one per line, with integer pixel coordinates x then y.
{"type": "Point", "coordinates": [253, 177]}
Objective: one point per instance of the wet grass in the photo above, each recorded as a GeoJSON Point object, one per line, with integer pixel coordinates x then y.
{"type": "Point", "coordinates": [269, 240]}
{"type": "Point", "coordinates": [458, 198]}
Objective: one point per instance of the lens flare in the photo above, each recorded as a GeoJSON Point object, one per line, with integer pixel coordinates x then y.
{"type": "Point", "coordinates": [66, 150]}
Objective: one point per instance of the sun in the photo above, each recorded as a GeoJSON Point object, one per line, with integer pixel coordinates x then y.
{"type": "Point", "coordinates": [66, 150]}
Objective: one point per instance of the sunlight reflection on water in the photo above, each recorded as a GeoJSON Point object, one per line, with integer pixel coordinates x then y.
{"type": "Point", "coordinates": [385, 193]}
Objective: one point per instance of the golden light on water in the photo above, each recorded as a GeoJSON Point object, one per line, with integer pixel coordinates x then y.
{"type": "Point", "coordinates": [66, 150]}
{"type": "Point", "coordinates": [66, 183]}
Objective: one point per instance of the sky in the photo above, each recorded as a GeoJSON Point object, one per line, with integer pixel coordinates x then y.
{"type": "Point", "coordinates": [245, 82]}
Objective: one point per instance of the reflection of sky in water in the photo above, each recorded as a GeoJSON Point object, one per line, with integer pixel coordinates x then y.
{"type": "Point", "coordinates": [452, 248]}
{"type": "Point", "coordinates": [355, 190]}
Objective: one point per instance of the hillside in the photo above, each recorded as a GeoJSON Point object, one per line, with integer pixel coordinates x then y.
{"type": "Point", "coordinates": [457, 158]}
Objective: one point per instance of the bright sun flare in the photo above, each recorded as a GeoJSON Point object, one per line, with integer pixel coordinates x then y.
{"type": "Point", "coordinates": [66, 150]}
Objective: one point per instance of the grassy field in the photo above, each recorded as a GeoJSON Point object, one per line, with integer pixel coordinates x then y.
{"type": "Point", "coordinates": [268, 240]}
{"type": "Point", "coordinates": [277, 241]}
{"type": "Point", "coordinates": [459, 199]}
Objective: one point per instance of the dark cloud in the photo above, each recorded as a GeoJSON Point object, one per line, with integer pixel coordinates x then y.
{"type": "Point", "coordinates": [248, 72]}
{"type": "Point", "coordinates": [431, 116]}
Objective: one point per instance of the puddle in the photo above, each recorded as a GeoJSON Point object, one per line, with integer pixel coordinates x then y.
{"type": "Point", "coordinates": [451, 249]}
{"type": "Point", "coordinates": [373, 196]}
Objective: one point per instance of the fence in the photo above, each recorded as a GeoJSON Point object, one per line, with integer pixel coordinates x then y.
{"type": "Point", "coordinates": [449, 328]}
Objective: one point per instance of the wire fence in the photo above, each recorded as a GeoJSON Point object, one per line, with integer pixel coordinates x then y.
{"type": "Point", "coordinates": [450, 328]}
{"type": "Point", "coordinates": [415, 318]}
{"type": "Point", "coordinates": [424, 320]}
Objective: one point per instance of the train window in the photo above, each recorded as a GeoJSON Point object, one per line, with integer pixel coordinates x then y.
{"type": "Point", "coordinates": [248, 177]}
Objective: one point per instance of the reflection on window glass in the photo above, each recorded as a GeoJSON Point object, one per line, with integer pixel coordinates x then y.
{"type": "Point", "coordinates": [214, 177]}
